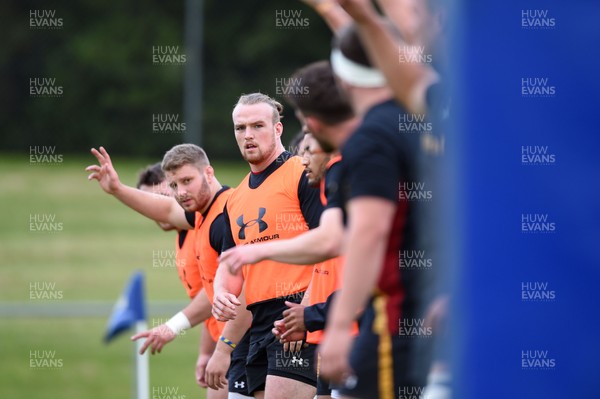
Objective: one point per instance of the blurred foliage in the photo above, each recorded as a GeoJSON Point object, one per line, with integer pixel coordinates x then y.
{"type": "Point", "coordinates": [102, 57]}
{"type": "Point", "coordinates": [89, 260]}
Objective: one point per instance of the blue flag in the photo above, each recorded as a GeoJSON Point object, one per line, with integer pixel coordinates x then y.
{"type": "Point", "coordinates": [129, 309]}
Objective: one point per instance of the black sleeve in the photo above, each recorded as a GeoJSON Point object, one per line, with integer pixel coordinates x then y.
{"type": "Point", "coordinates": [227, 235]}
{"type": "Point", "coordinates": [375, 171]}
{"type": "Point", "coordinates": [191, 218]}
{"type": "Point", "coordinates": [310, 203]}
{"type": "Point", "coordinates": [216, 233]}
{"type": "Point", "coordinates": [332, 186]}
{"type": "Point", "coordinates": [315, 315]}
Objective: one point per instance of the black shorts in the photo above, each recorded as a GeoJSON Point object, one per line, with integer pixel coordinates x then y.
{"type": "Point", "coordinates": [236, 375]}
{"type": "Point", "coordinates": [267, 357]}
{"type": "Point", "coordinates": [323, 387]}
{"type": "Point", "coordinates": [386, 365]}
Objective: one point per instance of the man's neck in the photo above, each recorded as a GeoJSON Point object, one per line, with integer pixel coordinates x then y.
{"type": "Point", "coordinates": [340, 132]}
{"type": "Point", "coordinates": [365, 99]}
{"type": "Point", "coordinates": [259, 167]}
{"type": "Point", "coordinates": [215, 187]}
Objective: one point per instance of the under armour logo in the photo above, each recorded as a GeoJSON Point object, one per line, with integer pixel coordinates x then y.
{"type": "Point", "coordinates": [239, 384]}
{"type": "Point", "coordinates": [262, 226]}
{"type": "Point", "coordinates": [296, 360]}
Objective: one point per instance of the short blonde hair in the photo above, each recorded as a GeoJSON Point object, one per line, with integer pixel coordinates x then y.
{"type": "Point", "coordinates": [184, 154]}
{"type": "Point", "coordinates": [257, 98]}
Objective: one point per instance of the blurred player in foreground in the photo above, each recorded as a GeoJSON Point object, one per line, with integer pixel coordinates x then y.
{"type": "Point", "coordinates": [415, 66]}
{"type": "Point", "coordinates": [382, 224]}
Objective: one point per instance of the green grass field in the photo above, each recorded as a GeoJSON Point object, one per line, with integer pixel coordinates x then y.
{"type": "Point", "coordinates": [95, 245]}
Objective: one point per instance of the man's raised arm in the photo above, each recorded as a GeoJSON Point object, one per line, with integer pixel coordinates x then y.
{"type": "Point", "coordinates": [408, 80]}
{"type": "Point", "coordinates": [158, 208]}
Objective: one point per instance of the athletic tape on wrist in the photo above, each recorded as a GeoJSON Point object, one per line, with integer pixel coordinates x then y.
{"type": "Point", "coordinates": [178, 323]}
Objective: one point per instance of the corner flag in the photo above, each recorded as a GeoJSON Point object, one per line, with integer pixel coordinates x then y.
{"type": "Point", "coordinates": [129, 309]}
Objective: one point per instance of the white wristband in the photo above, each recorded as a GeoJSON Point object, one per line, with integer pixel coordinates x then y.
{"type": "Point", "coordinates": [178, 323]}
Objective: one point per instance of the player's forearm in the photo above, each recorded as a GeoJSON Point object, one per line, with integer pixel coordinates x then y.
{"type": "Point", "coordinates": [316, 245]}
{"type": "Point", "coordinates": [207, 345]}
{"type": "Point", "coordinates": [334, 16]}
{"type": "Point", "coordinates": [199, 309]}
{"type": "Point", "coordinates": [306, 298]}
{"type": "Point", "coordinates": [156, 207]}
{"type": "Point", "coordinates": [363, 259]}
{"type": "Point", "coordinates": [408, 80]}
{"type": "Point", "coordinates": [235, 329]}
{"type": "Point", "coordinates": [394, 10]}
{"type": "Point", "coordinates": [226, 282]}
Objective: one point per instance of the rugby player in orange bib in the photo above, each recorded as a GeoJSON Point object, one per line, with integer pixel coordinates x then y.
{"type": "Point", "coordinates": [299, 317]}
{"type": "Point", "coordinates": [196, 189]}
{"type": "Point", "coordinates": [326, 113]}
{"type": "Point", "coordinates": [152, 180]}
{"type": "Point", "coordinates": [274, 202]}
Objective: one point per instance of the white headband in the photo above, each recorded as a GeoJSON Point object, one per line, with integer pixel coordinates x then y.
{"type": "Point", "coordinates": [355, 74]}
